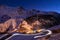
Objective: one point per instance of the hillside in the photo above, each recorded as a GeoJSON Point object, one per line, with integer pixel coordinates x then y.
{"type": "Point", "coordinates": [7, 12]}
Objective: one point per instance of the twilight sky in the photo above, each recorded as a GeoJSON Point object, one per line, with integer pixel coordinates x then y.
{"type": "Point", "coordinates": [43, 5]}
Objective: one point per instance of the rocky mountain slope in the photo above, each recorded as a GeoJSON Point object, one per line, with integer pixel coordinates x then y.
{"type": "Point", "coordinates": [20, 12]}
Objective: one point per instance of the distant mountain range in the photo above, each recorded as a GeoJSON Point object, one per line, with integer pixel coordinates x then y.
{"type": "Point", "coordinates": [20, 12]}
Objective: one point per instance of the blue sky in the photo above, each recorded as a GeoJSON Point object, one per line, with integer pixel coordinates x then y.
{"type": "Point", "coordinates": [43, 5]}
